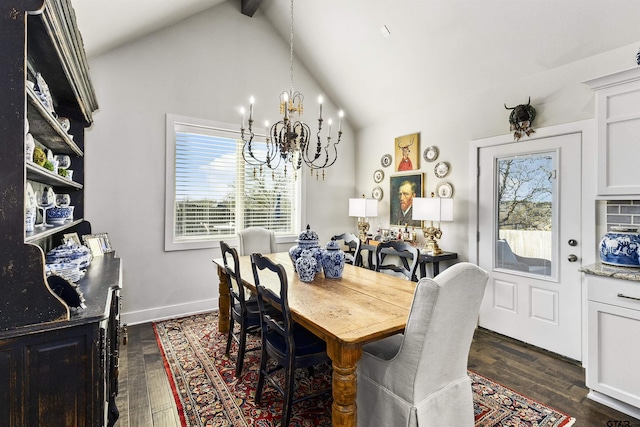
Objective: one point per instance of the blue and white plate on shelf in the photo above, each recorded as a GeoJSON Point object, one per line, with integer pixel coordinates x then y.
{"type": "Point", "coordinates": [69, 271]}
{"type": "Point", "coordinates": [70, 254]}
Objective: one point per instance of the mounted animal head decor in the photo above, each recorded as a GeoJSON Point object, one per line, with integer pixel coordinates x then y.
{"type": "Point", "coordinates": [521, 118]}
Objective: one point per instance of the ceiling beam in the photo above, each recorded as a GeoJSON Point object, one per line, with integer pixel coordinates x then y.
{"type": "Point", "coordinates": [249, 7]}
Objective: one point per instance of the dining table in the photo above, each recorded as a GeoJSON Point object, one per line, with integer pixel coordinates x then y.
{"type": "Point", "coordinates": [360, 307]}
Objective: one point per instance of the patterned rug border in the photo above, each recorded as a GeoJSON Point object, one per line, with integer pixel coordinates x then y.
{"type": "Point", "coordinates": [167, 368]}
{"type": "Point", "coordinates": [568, 422]}
{"type": "Point", "coordinates": [485, 413]}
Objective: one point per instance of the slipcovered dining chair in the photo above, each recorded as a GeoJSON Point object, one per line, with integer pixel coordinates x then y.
{"type": "Point", "coordinates": [353, 243]}
{"type": "Point", "coordinates": [291, 345]}
{"type": "Point", "coordinates": [244, 310]}
{"type": "Point", "coordinates": [407, 257]}
{"type": "Point", "coordinates": [256, 240]}
{"type": "Point", "coordinates": [420, 378]}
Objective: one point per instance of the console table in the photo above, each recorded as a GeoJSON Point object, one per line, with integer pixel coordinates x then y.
{"type": "Point", "coordinates": [424, 259]}
{"type": "Point", "coordinates": [435, 260]}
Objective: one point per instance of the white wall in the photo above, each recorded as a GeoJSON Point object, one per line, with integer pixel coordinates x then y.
{"type": "Point", "coordinates": [206, 67]}
{"type": "Point", "coordinates": [558, 96]}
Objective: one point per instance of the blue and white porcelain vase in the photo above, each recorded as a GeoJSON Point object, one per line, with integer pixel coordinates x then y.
{"type": "Point", "coordinates": [29, 147]}
{"type": "Point", "coordinates": [308, 239]}
{"type": "Point", "coordinates": [333, 260]}
{"type": "Point", "coordinates": [306, 265]}
{"type": "Point", "coordinates": [621, 246]}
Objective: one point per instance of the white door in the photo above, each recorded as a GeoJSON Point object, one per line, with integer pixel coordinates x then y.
{"type": "Point", "coordinates": [529, 212]}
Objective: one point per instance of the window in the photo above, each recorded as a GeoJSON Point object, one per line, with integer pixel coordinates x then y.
{"type": "Point", "coordinates": [525, 188]}
{"type": "Point", "coordinates": [212, 193]}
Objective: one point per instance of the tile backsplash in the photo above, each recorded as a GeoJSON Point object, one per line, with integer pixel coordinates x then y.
{"type": "Point", "coordinates": [622, 213]}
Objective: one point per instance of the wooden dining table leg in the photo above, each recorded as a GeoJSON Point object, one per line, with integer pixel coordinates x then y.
{"type": "Point", "coordinates": [344, 358]}
{"type": "Point", "coordinates": [223, 302]}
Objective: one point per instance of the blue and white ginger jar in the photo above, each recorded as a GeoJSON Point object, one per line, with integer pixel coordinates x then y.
{"type": "Point", "coordinates": [333, 260]}
{"type": "Point", "coordinates": [306, 265]}
{"type": "Point", "coordinates": [621, 246]}
{"type": "Point", "coordinates": [308, 239]}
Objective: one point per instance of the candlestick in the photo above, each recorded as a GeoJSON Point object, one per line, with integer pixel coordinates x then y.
{"type": "Point", "coordinates": [286, 104]}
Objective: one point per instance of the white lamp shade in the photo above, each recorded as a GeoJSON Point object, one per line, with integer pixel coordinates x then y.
{"type": "Point", "coordinates": [363, 208]}
{"type": "Point", "coordinates": [432, 209]}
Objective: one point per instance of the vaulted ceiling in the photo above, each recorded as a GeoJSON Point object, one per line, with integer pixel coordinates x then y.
{"type": "Point", "coordinates": [436, 50]}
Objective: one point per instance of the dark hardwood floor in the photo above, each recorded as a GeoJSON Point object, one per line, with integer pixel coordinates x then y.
{"type": "Point", "coordinates": [541, 376]}
{"type": "Point", "coordinates": [146, 399]}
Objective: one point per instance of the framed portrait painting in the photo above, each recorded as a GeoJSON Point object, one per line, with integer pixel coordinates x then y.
{"type": "Point", "coordinates": [407, 152]}
{"type": "Point", "coordinates": [403, 189]}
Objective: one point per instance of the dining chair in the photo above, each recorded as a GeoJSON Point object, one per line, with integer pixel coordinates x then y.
{"type": "Point", "coordinates": [420, 377]}
{"type": "Point", "coordinates": [244, 309]}
{"type": "Point", "coordinates": [289, 344]}
{"type": "Point", "coordinates": [408, 259]}
{"type": "Point", "coordinates": [350, 240]}
{"type": "Point", "coordinates": [256, 240]}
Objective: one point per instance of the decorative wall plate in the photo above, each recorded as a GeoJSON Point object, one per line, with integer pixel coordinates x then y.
{"type": "Point", "coordinates": [430, 154]}
{"type": "Point", "coordinates": [441, 170]}
{"type": "Point", "coordinates": [377, 193]}
{"type": "Point", "coordinates": [444, 190]}
{"type": "Point", "coordinates": [378, 175]}
{"type": "Point", "coordinates": [386, 160]}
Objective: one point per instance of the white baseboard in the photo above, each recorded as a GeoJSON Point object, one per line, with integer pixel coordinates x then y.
{"type": "Point", "coordinates": [625, 408]}
{"type": "Point", "coordinates": [167, 312]}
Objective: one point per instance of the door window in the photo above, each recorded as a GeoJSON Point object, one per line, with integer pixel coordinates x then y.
{"type": "Point", "coordinates": [525, 187]}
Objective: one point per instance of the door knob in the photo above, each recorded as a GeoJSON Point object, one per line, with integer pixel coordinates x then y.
{"type": "Point", "coordinates": [573, 242]}
{"type": "Point", "coordinates": [572, 258]}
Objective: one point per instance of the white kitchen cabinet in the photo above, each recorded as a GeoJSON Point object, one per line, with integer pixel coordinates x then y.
{"type": "Point", "coordinates": [612, 371]}
{"type": "Point", "coordinates": [617, 100]}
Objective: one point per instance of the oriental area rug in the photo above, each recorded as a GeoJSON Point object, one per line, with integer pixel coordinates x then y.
{"type": "Point", "coordinates": [207, 393]}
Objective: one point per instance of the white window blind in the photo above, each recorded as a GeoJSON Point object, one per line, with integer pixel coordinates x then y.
{"type": "Point", "coordinates": [214, 193]}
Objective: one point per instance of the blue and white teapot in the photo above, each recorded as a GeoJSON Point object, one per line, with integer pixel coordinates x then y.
{"type": "Point", "coordinates": [308, 239]}
{"type": "Point", "coordinates": [333, 260]}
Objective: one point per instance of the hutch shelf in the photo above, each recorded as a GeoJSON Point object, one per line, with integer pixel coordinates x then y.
{"type": "Point", "coordinates": [58, 363]}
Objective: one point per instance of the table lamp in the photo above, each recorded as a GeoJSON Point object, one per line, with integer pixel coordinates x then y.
{"type": "Point", "coordinates": [434, 209]}
{"type": "Point", "coordinates": [363, 208]}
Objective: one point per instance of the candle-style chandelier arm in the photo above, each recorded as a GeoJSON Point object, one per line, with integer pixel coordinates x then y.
{"type": "Point", "coordinates": [329, 159]}
{"type": "Point", "coordinates": [247, 149]}
{"type": "Point", "coordinates": [271, 151]}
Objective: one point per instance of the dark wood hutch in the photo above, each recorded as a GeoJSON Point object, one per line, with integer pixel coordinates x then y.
{"type": "Point", "coordinates": [58, 364]}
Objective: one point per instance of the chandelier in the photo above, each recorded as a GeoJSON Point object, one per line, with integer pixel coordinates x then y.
{"type": "Point", "coordinates": [289, 140]}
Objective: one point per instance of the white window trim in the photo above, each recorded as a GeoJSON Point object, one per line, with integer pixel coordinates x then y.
{"type": "Point", "coordinates": [214, 242]}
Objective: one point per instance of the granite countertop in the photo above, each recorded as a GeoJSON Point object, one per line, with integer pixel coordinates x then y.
{"type": "Point", "coordinates": [598, 269]}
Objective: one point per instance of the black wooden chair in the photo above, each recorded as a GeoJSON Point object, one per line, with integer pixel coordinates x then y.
{"type": "Point", "coordinates": [408, 258]}
{"type": "Point", "coordinates": [244, 310]}
{"type": "Point", "coordinates": [350, 240]}
{"type": "Point", "coordinates": [288, 343]}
